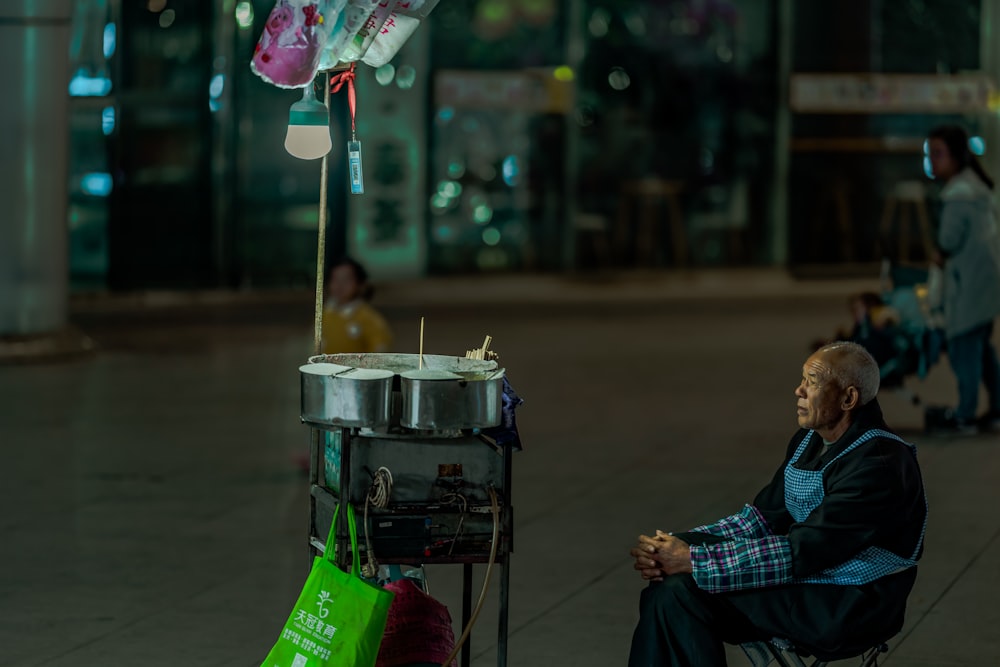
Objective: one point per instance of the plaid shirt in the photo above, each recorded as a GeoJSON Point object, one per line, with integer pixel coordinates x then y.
{"type": "Point", "coordinates": [753, 559]}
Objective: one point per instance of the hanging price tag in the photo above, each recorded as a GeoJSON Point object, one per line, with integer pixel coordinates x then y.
{"type": "Point", "coordinates": [354, 166]}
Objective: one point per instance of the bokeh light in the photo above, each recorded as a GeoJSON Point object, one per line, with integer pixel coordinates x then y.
{"type": "Point", "coordinates": [167, 18]}
{"type": "Point", "coordinates": [244, 15]}
{"type": "Point", "coordinates": [110, 39]}
{"type": "Point", "coordinates": [977, 145]}
{"type": "Point", "coordinates": [482, 214]}
{"type": "Point", "coordinates": [385, 74]}
{"type": "Point", "coordinates": [445, 114]}
{"type": "Point", "coordinates": [511, 170]}
{"type": "Point", "coordinates": [618, 78]}
{"type": "Point", "coordinates": [97, 183]}
{"type": "Point", "coordinates": [456, 168]}
{"type": "Point", "coordinates": [599, 23]}
{"type": "Point", "coordinates": [450, 189]}
{"type": "Point", "coordinates": [107, 120]}
{"type": "Point", "coordinates": [563, 73]}
{"type": "Point", "coordinates": [406, 76]}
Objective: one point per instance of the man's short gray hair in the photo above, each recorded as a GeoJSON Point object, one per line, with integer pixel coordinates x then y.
{"type": "Point", "coordinates": [851, 365]}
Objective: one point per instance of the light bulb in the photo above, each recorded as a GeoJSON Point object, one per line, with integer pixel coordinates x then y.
{"type": "Point", "coordinates": [308, 135]}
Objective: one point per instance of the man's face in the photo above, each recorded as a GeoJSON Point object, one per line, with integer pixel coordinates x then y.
{"type": "Point", "coordinates": [819, 397]}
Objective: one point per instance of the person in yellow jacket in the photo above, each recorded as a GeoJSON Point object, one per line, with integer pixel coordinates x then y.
{"type": "Point", "coordinates": [350, 323]}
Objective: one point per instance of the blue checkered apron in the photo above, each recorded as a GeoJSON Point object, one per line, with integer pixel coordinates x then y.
{"type": "Point", "coordinates": [804, 492]}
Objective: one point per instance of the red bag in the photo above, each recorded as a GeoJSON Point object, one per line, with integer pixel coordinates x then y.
{"type": "Point", "coordinates": [418, 629]}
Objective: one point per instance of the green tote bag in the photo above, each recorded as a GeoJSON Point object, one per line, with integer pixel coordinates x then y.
{"type": "Point", "coordinates": [339, 618]}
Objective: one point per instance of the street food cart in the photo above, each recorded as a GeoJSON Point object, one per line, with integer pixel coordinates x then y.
{"type": "Point", "coordinates": [417, 461]}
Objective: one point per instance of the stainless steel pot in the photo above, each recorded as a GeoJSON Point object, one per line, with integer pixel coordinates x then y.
{"type": "Point", "coordinates": [340, 395]}
{"type": "Point", "coordinates": [435, 392]}
{"type": "Point", "coordinates": [440, 400]}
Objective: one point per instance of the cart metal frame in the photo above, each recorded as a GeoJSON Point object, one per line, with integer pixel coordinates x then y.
{"type": "Point", "coordinates": [324, 498]}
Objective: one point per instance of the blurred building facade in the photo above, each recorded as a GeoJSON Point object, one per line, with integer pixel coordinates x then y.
{"type": "Point", "coordinates": [509, 135]}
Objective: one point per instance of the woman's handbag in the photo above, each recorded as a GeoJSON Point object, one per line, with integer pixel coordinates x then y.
{"type": "Point", "coordinates": [339, 618]}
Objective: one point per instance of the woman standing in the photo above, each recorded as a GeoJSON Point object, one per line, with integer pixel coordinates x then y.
{"type": "Point", "coordinates": [969, 240]}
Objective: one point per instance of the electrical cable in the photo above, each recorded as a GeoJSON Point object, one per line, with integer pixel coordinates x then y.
{"type": "Point", "coordinates": [486, 580]}
{"type": "Point", "coordinates": [378, 496]}
{"type": "Point", "coordinates": [453, 499]}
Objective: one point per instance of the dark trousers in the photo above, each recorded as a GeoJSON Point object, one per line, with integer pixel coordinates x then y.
{"type": "Point", "coordinates": [974, 360]}
{"type": "Point", "coordinates": [681, 625]}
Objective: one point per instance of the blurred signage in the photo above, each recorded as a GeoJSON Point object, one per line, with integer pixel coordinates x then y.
{"type": "Point", "coordinates": [891, 93]}
{"type": "Point", "coordinates": [386, 224]}
{"type": "Point", "coordinates": [536, 90]}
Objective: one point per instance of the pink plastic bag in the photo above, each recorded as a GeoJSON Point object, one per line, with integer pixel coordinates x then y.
{"type": "Point", "coordinates": [288, 51]}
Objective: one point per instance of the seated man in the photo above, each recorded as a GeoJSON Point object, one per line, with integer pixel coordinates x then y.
{"type": "Point", "coordinates": [826, 555]}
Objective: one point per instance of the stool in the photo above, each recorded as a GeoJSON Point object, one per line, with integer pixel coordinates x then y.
{"type": "Point", "coordinates": [722, 227]}
{"type": "Point", "coordinates": [594, 227]}
{"type": "Point", "coordinates": [647, 195]}
{"type": "Point", "coordinates": [907, 198]}
{"type": "Point", "coordinates": [783, 653]}
{"type": "Point", "coordinates": [836, 195]}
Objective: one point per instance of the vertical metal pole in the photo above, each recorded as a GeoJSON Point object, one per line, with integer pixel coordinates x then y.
{"type": "Point", "coordinates": [989, 63]}
{"type": "Point", "coordinates": [507, 541]}
{"type": "Point", "coordinates": [571, 134]}
{"type": "Point", "coordinates": [317, 441]}
{"type": "Point", "coordinates": [224, 145]}
{"type": "Point", "coordinates": [313, 476]}
{"type": "Point", "coordinates": [466, 611]}
{"type": "Point", "coordinates": [344, 497]}
{"type": "Point", "coordinates": [782, 137]}
{"type": "Point", "coordinates": [321, 235]}
{"type": "Point", "coordinates": [504, 624]}
{"type": "Point", "coordinates": [34, 267]}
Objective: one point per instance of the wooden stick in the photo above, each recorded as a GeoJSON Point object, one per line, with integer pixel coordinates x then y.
{"type": "Point", "coordinates": [421, 362]}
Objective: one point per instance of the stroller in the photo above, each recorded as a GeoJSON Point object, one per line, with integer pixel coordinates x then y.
{"type": "Point", "coordinates": [902, 327]}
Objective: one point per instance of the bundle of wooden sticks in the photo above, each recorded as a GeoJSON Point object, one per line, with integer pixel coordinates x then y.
{"type": "Point", "coordinates": [482, 352]}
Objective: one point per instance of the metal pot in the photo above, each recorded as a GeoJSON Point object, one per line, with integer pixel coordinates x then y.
{"type": "Point", "coordinates": [339, 395]}
{"type": "Point", "coordinates": [436, 399]}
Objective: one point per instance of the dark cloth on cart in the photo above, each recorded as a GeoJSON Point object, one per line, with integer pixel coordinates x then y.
{"type": "Point", "coordinates": [506, 431]}
{"type": "Point", "coordinates": [873, 498]}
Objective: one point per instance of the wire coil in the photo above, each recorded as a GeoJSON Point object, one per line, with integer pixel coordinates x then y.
{"type": "Point", "coordinates": [378, 496]}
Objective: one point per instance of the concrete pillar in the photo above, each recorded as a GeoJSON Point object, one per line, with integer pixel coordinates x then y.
{"type": "Point", "coordinates": [34, 138]}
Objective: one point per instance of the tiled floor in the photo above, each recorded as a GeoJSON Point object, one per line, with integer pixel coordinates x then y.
{"type": "Point", "coordinates": [152, 512]}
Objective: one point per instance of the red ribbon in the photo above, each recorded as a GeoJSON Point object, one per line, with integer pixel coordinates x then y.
{"type": "Point", "coordinates": [337, 82]}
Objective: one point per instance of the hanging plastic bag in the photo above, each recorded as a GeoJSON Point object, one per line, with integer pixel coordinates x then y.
{"type": "Point", "coordinates": [401, 24]}
{"type": "Point", "coordinates": [339, 618]}
{"type": "Point", "coordinates": [355, 14]}
{"type": "Point", "coordinates": [418, 630]}
{"type": "Point", "coordinates": [288, 52]}
{"type": "Point", "coordinates": [358, 46]}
